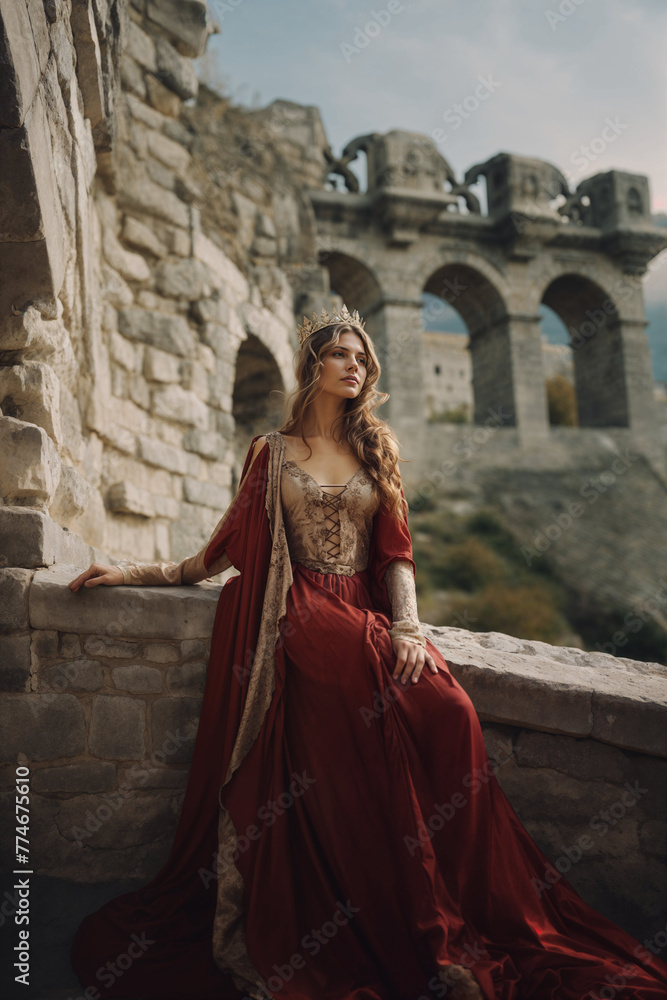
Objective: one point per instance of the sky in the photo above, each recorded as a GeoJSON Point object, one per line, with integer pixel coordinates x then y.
{"type": "Point", "coordinates": [560, 77]}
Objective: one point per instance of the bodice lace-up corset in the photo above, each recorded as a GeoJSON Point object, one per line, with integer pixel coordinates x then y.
{"type": "Point", "coordinates": [328, 532]}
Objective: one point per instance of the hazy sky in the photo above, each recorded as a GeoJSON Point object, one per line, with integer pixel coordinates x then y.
{"type": "Point", "coordinates": [557, 73]}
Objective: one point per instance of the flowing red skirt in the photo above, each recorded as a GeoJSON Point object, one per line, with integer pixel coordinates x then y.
{"type": "Point", "coordinates": [374, 841]}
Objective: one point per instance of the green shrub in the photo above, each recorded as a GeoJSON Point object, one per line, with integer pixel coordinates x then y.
{"type": "Point", "coordinates": [562, 402]}
{"type": "Point", "coordinates": [525, 611]}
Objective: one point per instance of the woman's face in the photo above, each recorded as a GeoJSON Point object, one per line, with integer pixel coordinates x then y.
{"type": "Point", "coordinates": [344, 367]}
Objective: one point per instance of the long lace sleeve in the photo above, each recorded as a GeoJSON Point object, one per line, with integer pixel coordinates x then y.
{"type": "Point", "coordinates": [400, 581]}
{"type": "Point", "coordinates": [187, 571]}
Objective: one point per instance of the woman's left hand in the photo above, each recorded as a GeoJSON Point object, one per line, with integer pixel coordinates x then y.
{"type": "Point", "coordinates": [411, 659]}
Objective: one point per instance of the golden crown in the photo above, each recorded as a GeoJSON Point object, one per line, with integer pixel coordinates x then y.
{"type": "Point", "coordinates": [325, 319]}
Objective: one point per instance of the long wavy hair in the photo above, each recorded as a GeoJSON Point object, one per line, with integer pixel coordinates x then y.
{"type": "Point", "coordinates": [371, 438]}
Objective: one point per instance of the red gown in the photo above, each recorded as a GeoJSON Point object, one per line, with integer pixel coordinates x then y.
{"type": "Point", "coordinates": [374, 841]}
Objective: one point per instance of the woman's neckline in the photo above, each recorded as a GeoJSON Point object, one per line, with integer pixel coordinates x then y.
{"type": "Point", "coordinates": [291, 461]}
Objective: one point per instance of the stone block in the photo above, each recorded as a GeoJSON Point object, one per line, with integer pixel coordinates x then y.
{"type": "Point", "coordinates": [644, 727]}
{"type": "Point", "coordinates": [160, 613]}
{"type": "Point", "coordinates": [117, 649]}
{"type": "Point", "coordinates": [165, 457]}
{"type": "Point", "coordinates": [145, 775]}
{"type": "Point", "coordinates": [187, 678]}
{"type": "Point", "coordinates": [160, 366]}
{"type": "Point", "coordinates": [44, 644]}
{"type": "Point", "coordinates": [124, 352]}
{"type": "Point", "coordinates": [76, 675]}
{"type": "Point", "coordinates": [169, 508]}
{"type": "Point", "coordinates": [31, 538]}
{"type": "Point", "coordinates": [121, 819]}
{"type": "Point", "coordinates": [126, 498]}
{"type": "Point", "coordinates": [14, 662]}
{"type": "Point", "coordinates": [70, 646]}
{"type": "Point", "coordinates": [205, 443]}
{"type": "Point", "coordinates": [162, 98]}
{"type": "Point", "coordinates": [14, 589]}
{"type": "Point", "coordinates": [31, 392]}
{"type": "Point", "coordinates": [141, 46]}
{"type": "Point", "coordinates": [170, 153]}
{"type": "Point", "coordinates": [30, 469]}
{"type": "Point", "coordinates": [184, 21]}
{"type": "Point", "coordinates": [175, 403]}
{"type": "Point", "coordinates": [117, 727]}
{"type": "Point", "coordinates": [169, 333]}
{"type": "Point", "coordinates": [161, 652]}
{"type": "Point", "coordinates": [211, 310]}
{"type": "Point", "coordinates": [583, 694]}
{"type": "Point", "coordinates": [180, 243]}
{"type": "Point", "coordinates": [116, 290]}
{"type": "Point", "coordinates": [138, 235]}
{"type": "Point", "coordinates": [137, 679]}
{"type": "Point", "coordinates": [194, 649]}
{"type": "Point", "coordinates": [132, 266]}
{"type": "Point", "coordinates": [88, 60]}
{"type": "Point", "coordinates": [174, 724]}
{"type": "Point", "coordinates": [74, 778]}
{"type": "Point", "coordinates": [131, 77]}
{"type": "Point", "coordinates": [22, 66]}
{"type": "Point", "coordinates": [174, 71]}
{"type": "Point", "coordinates": [41, 726]}
{"type": "Point", "coordinates": [142, 195]}
{"type": "Point", "coordinates": [582, 758]}
{"type": "Point", "coordinates": [195, 379]}
{"type": "Point", "coordinates": [184, 279]}
{"type": "Point", "coordinates": [78, 505]}
{"type": "Point", "coordinates": [206, 494]}
{"type": "Point", "coordinates": [233, 282]}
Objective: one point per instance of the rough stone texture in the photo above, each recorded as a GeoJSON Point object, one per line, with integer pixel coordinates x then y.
{"type": "Point", "coordinates": [617, 701]}
{"type": "Point", "coordinates": [14, 662]}
{"type": "Point", "coordinates": [145, 612]}
{"type": "Point", "coordinates": [41, 726]}
{"type": "Point", "coordinates": [137, 678]}
{"type": "Point", "coordinates": [117, 726]}
{"type": "Point", "coordinates": [173, 728]}
{"type": "Point", "coordinates": [14, 588]}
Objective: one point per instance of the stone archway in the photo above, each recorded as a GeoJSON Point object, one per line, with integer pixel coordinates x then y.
{"type": "Point", "coordinates": [505, 348]}
{"type": "Point", "coordinates": [598, 338]}
{"type": "Point", "coordinates": [358, 287]}
{"type": "Point", "coordinates": [257, 401]}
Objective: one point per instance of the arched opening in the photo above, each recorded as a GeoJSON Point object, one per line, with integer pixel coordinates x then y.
{"type": "Point", "coordinates": [459, 297]}
{"type": "Point", "coordinates": [558, 367]}
{"type": "Point", "coordinates": [256, 405]}
{"type": "Point", "coordinates": [355, 283]}
{"type": "Point", "coordinates": [594, 336]}
{"type": "Point", "coordinates": [446, 363]}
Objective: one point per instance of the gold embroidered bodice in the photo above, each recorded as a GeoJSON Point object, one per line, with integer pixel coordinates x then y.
{"type": "Point", "coordinates": [328, 527]}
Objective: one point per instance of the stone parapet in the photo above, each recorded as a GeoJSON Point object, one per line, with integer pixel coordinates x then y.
{"type": "Point", "coordinates": [102, 695]}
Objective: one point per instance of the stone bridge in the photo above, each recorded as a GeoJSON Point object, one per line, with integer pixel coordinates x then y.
{"type": "Point", "coordinates": [416, 229]}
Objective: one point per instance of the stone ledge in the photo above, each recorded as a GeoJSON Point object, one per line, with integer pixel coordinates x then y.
{"type": "Point", "coordinates": [140, 612]}
{"type": "Point", "coordinates": [553, 689]}
{"type": "Point", "coordinates": [559, 689]}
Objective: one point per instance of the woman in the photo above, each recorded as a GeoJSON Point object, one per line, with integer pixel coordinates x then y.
{"type": "Point", "coordinates": [342, 835]}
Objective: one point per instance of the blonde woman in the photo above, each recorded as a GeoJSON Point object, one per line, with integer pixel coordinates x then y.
{"type": "Point", "coordinates": [343, 834]}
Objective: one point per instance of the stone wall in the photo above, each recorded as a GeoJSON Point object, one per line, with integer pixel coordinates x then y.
{"type": "Point", "coordinates": [132, 345]}
{"type": "Point", "coordinates": [104, 689]}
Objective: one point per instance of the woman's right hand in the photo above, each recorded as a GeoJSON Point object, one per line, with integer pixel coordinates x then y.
{"type": "Point", "coordinates": [110, 576]}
